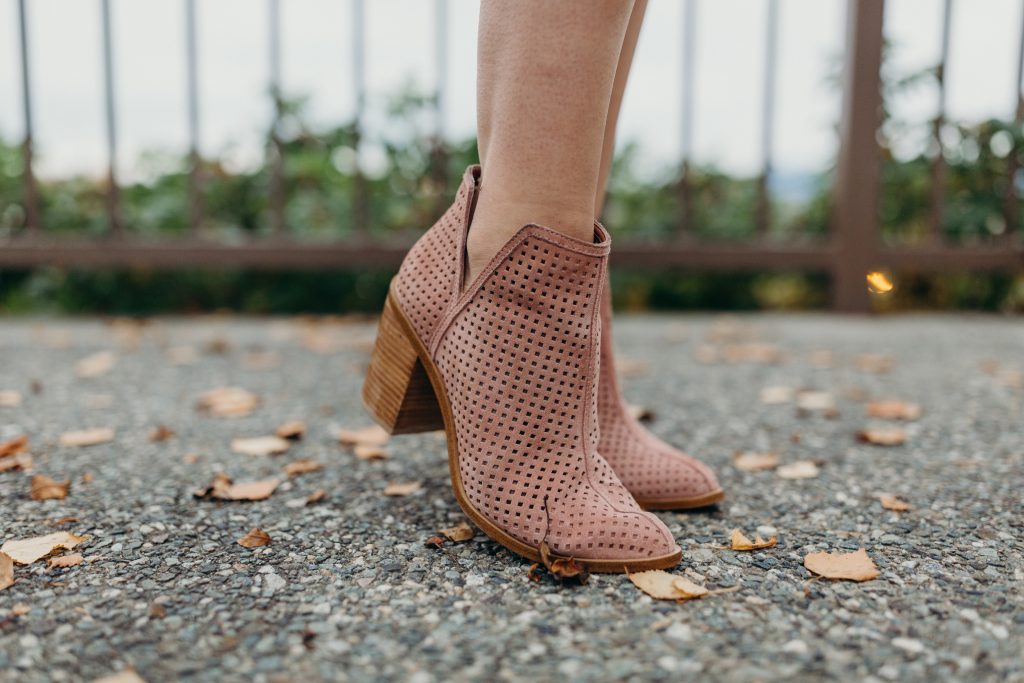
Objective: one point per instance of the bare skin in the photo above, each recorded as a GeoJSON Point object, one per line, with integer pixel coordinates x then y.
{"type": "Point", "coordinates": [636, 20]}
{"type": "Point", "coordinates": [546, 77]}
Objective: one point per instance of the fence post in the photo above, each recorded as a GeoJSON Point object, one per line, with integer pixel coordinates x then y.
{"type": "Point", "coordinates": [855, 219]}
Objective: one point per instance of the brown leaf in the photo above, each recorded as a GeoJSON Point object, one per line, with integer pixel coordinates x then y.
{"type": "Point", "coordinates": [9, 398]}
{"type": "Point", "coordinates": [20, 609]}
{"type": "Point", "coordinates": [563, 568]}
{"type": "Point", "coordinates": [316, 497]}
{"type": "Point", "coordinates": [893, 410]}
{"type": "Point", "coordinates": [87, 477]}
{"type": "Point", "coordinates": [61, 521]}
{"type": "Point", "coordinates": [293, 430]}
{"type": "Point", "coordinates": [228, 402]}
{"type": "Point", "coordinates": [260, 445]}
{"type": "Point", "coordinates": [157, 611]}
{"type": "Point", "coordinates": [293, 469]}
{"type": "Point", "coordinates": [631, 367]}
{"type": "Point", "coordinates": [801, 469]}
{"type": "Point", "coordinates": [458, 533]}
{"type": "Point", "coordinates": [182, 355]}
{"type": "Point", "coordinates": [6, 571]}
{"type": "Point", "coordinates": [261, 360]}
{"type": "Point", "coordinates": [161, 433]}
{"type": "Point", "coordinates": [95, 365]}
{"type": "Point", "coordinates": [374, 435]}
{"type": "Point", "coordinates": [750, 462]}
{"type": "Point", "coordinates": [217, 345]}
{"type": "Point", "coordinates": [190, 458]}
{"type": "Point", "coordinates": [883, 436]}
{"type": "Point", "coordinates": [222, 488]}
{"type": "Point", "coordinates": [65, 561]}
{"type": "Point", "coordinates": [890, 502]}
{"type": "Point", "coordinates": [752, 352]}
{"type": "Point", "coordinates": [256, 538]}
{"type": "Point", "coordinates": [21, 461]}
{"type": "Point", "coordinates": [855, 566]}
{"type": "Point", "coordinates": [368, 452]}
{"type": "Point", "coordinates": [401, 489]}
{"type": "Point", "coordinates": [661, 585]}
{"type": "Point", "coordinates": [86, 437]}
{"type": "Point", "coordinates": [44, 488]}
{"type": "Point", "coordinates": [124, 676]}
{"type": "Point", "coordinates": [13, 446]}
{"type": "Point", "coordinates": [817, 402]}
{"type": "Point", "coordinates": [434, 542]}
{"type": "Point", "coordinates": [28, 550]}
{"type": "Point", "coordinates": [741, 542]}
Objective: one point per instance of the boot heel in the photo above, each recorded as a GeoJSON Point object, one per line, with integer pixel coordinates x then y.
{"type": "Point", "coordinates": [397, 390]}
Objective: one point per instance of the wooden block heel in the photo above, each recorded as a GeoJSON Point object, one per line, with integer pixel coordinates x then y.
{"type": "Point", "coordinates": [397, 391]}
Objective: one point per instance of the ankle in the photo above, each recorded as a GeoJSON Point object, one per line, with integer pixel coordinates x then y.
{"type": "Point", "coordinates": [495, 222]}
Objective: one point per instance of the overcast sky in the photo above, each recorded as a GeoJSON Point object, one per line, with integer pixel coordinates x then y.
{"type": "Point", "coordinates": [400, 39]}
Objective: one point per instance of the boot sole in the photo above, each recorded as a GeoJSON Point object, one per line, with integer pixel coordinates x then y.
{"type": "Point", "coordinates": [691, 503]}
{"type": "Point", "coordinates": [404, 393]}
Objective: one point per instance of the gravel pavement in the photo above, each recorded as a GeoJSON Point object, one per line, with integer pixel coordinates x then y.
{"type": "Point", "coordinates": [347, 590]}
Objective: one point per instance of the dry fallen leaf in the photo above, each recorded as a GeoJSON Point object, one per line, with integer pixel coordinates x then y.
{"type": "Point", "coordinates": [293, 429]}
{"type": "Point", "coordinates": [256, 538]}
{"type": "Point", "coordinates": [563, 568]}
{"type": "Point", "coordinates": [890, 502]}
{"type": "Point", "coordinates": [18, 444]}
{"type": "Point", "coordinates": [893, 410]}
{"type": "Point", "coordinates": [740, 542]}
{"type": "Point", "coordinates": [855, 566]}
{"type": "Point", "coordinates": [9, 398]}
{"type": "Point", "coordinates": [777, 395]}
{"type": "Point", "coordinates": [298, 467]}
{"type": "Point", "coordinates": [161, 433]}
{"type": "Point", "coordinates": [316, 497]}
{"type": "Point", "coordinates": [434, 542]}
{"type": "Point", "coordinates": [65, 561]}
{"type": "Point", "coordinates": [44, 488]}
{"type": "Point", "coordinates": [228, 402]}
{"type": "Point", "coordinates": [816, 402]}
{"type": "Point", "coordinates": [752, 352]}
{"type": "Point", "coordinates": [222, 488]}
{"type": "Point", "coordinates": [124, 676]}
{"type": "Point", "coordinates": [401, 489]}
{"type": "Point", "coordinates": [631, 367]}
{"type": "Point", "coordinates": [374, 435]}
{"type": "Point", "coordinates": [61, 521]}
{"type": "Point", "coordinates": [369, 452]}
{"type": "Point", "coordinates": [261, 360]}
{"type": "Point", "coordinates": [21, 461]}
{"type": "Point", "coordinates": [883, 436]}
{"type": "Point", "coordinates": [182, 355]}
{"type": "Point", "coordinates": [20, 609]}
{"type": "Point", "coordinates": [6, 571]}
{"type": "Point", "coordinates": [661, 585]}
{"type": "Point", "coordinates": [750, 461]}
{"type": "Point", "coordinates": [801, 469]}
{"type": "Point", "coordinates": [458, 533]}
{"type": "Point", "coordinates": [260, 445]}
{"type": "Point", "coordinates": [86, 437]}
{"type": "Point", "coordinates": [28, 550]}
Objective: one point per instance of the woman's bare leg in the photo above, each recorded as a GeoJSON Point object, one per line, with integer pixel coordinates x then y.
{"type": "Point", "coordinates": [636, 20]}
{"type": "Point", "coordinates": [545, 77]}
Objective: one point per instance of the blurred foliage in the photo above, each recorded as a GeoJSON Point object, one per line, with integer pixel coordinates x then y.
{"type": "Point", "coordinates": [407, 181]}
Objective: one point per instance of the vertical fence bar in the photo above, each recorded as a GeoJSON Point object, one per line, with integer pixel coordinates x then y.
{"type": "Point", "coordinates": [31, 194]}
{"type": "Point", "coordinates": [195, 195]}
{"type": "Point", "coordinates": [686, 117]}
{"type": "Point", "coordinates": [113, 195]}
{"type": "Point", "coordinates": [1010, 201]}
{"type": "Point", "coordinates": [438, 148]}
{"type": "Point", "coordinates": [856, 221]}
{"type": "Point", "coordinates": [360, 193]}
{"type": "Point", "coordinates": [277, 198]}
{"type": "Point", "coordinates": [763, 217]}
{"type": "Point", "coordinates": [937, 193]}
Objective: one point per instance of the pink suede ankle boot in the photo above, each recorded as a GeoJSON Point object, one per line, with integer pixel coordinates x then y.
{"type": "Point", "coordinates": [659, 476]}
{"type": "Point", "coordinates": [508, 365]}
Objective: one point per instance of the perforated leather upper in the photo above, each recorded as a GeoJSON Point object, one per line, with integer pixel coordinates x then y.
{"type": "Point", "coordinates": [651, 469]}
{"type": "Point", "coordinates": [519, 354]}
